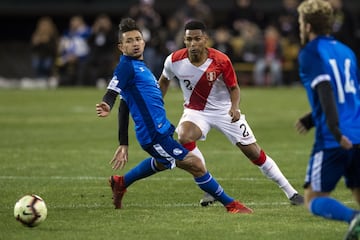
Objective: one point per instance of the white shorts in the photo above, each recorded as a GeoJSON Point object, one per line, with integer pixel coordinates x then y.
{"type": "Point", "coordinates": [237, 132]}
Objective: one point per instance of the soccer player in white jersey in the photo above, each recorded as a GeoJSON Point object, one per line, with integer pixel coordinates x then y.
{"type": "Point", "coordinates": [330, 75]}
{"type": "Point", "coordinates": [212, 97]}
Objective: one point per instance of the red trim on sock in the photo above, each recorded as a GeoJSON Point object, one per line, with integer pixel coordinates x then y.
{"type": "Point", "coordinates": [190, 146]}
{"type": "Point", "coordinates": [260, 161]}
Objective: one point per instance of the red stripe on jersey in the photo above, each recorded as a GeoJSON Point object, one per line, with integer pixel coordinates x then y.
{"type": "Point", "coordinates": [201, 91]}
{"type": "Point", "coordinates": [220, 65]}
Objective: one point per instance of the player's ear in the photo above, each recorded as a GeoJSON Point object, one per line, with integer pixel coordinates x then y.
{"type": "Point", "coordinates": [308, 27]}
{"type": "Point", "coordinates": [120, 46]}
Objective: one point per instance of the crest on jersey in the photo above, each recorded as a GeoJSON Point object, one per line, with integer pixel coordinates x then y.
{"type": "Point", "coordinates": [211, 77]}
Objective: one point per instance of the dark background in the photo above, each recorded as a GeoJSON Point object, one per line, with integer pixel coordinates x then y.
{"type": "Point", "coordinates": [18, 19]}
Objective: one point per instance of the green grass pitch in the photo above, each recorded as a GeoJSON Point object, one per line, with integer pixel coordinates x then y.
{"type": "Point", "coordinates": [52, 144]}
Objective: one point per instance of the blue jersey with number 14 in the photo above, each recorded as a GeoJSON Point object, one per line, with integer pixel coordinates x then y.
{"type": "Point", "coordinates": [326, 59]}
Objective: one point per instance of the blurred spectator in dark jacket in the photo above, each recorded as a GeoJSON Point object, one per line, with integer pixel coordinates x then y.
{"type": "Point", "coordinates": [72, 52]}
{"type": "Point", "coordinates": [268, 67]}
{"type": "Point", "coordinates": [286, 20]}
{"type": "Point", "coordinates": [103, 52]}
{"type": "Point", "coordinates": [44, 42]}
{"type": "Point", "coordinates": [344, 26]}
{"type": "Point", "coordinates": [145, 10]}
{"type": "Point", "coordinates": [242, 12]}
{"type": "Point", "coordinates": [195, 9]}
{"type": "Point", "coordinates": [251, 43]}
{"type": "Point", "coordinates": [149, 21]}
{"type": "Point", "coordinates": [222, 41]}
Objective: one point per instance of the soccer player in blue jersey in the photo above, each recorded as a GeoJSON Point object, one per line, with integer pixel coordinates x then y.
{"type": "Point", "coordinates": [138, 87]}
{"type": "Point", "coordinates": [329, 74]}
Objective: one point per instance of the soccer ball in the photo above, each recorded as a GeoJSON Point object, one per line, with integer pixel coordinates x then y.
{"type": "Point", "coordinates": [30, 210]}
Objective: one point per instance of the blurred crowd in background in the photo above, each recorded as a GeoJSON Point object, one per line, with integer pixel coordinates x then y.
{"type": "Point", "coordinates": [263, 47]}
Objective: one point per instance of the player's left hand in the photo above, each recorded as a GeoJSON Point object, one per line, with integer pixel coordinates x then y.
{"type": "Point", "coordinates": [235, 115]}
{"type": "Point", "coordinates": [345, 143]}
{"type": "Point", "coordinates": [120, 157]}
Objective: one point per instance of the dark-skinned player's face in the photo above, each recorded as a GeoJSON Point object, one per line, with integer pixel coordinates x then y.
{"type": "Point", "coordinates": [195, 42]}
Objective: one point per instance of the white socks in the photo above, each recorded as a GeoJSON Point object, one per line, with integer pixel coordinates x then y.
{"type": "Point", "coordinates": [272, 171]}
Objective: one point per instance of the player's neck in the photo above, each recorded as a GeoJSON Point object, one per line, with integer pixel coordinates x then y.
{"type": "Point", "coordinates": [199, 60]}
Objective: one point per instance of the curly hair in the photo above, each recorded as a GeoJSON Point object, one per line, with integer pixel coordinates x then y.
{"type": "Point", "coordinates": [319, 14]}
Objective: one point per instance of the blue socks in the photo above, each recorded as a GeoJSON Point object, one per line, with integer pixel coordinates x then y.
{"type": "Point", "coordinates": [332, 209]}
{"type": "Point", "coordinates": [208, 184]}
{"type": "Point", "coordinates": [142, 170]}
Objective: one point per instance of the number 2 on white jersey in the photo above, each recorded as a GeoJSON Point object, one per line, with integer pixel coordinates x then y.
{"type": "Point", "coordinates": [349, 84]}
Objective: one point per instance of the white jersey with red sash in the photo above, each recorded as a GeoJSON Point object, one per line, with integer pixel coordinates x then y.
{"type": "Point", "coordinates": [204, 87]}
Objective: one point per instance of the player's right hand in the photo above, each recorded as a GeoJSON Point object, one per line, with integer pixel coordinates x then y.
{"type": "Point", "coordinates": [102, 109]}
{"type": "Point", "coordinates": [300, 127]}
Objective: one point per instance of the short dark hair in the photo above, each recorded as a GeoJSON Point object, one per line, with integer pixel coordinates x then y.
{"type": "Point", "coordinates": [127, 25]}
{"type": "Point", "coordinates": [195, 25]}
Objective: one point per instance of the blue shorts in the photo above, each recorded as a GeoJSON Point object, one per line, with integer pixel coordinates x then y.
{"type": "Point", "coordinates": [166, 150]}
{"type": "Point", "coordinates": [326, 167]}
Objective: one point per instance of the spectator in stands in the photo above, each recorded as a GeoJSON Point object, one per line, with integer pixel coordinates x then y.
{"type": "Point", "coordinates": [173, 35]}
{"type": "Point", "coordinates": [286, 20]}
{"type": "Point", "coordinates": [145, 9]}
{"type": "Point", "coordinates": [344, 25]}
{"type": "Point", "coordinates": [268, 68]}
{"type": "Point", "coordinates": [242, 12]}
{"type": "Point", "coordinates": [248, 47]}
{"type": "Point", "coordinates": [102, 58]}
{"type": "Point", "coordinates": [72, 52]}
{"type": "Point", "coordinates": [222, 41]}
{"type": "Point", "coordinates": [251, 43]}
{"type": "Point", "coordinates": [195, 9]}
{"type": "Point", "coordinates": [149, 21]}
{"type": "Point", "coordinates": [44, 42]}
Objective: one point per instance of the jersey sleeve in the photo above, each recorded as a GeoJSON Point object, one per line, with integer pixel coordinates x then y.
{"type": "Point", "coordinates": [314, 68]}
{"type": "Point", "coordinates": [229, 74]}
{"type": "Point", "coordinates": [167, 71]}
{"type": "Point", "coordinates": [124, 71]}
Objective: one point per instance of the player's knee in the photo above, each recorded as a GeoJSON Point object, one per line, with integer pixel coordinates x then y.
{"type": "Point", "coordinates": [193, 165]}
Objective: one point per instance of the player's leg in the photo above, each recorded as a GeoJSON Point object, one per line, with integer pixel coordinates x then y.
{"type": "Point", "coordinates": [207, 183]}
{"type": "Point", "coordinates": [321, 204]}
{"type": "Point", "coordinates": [144, 169]}
{"type": "Point", "coordinates": [356, 195]}
{"type": "Point", "coordinates": [353, 182]}
{"type": "Point", "coordinates": [324, 171]}
{"type": "Point", "coordinates": [241, 135]}
{"type": "Point", "coordinates": [271, 170]}
{"type": "Point", "coordinates": [189, 132]}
